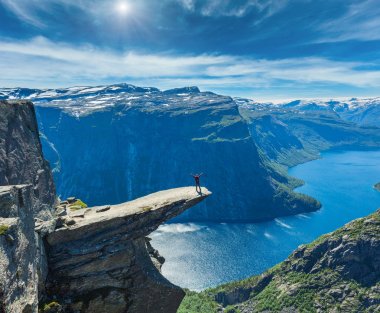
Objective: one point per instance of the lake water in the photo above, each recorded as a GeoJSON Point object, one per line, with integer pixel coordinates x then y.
{"type": "Point", "coordinates": [199, 256]}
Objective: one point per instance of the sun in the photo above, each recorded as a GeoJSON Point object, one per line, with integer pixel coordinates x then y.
{"type": "Point", "coordinates": [122, 7]}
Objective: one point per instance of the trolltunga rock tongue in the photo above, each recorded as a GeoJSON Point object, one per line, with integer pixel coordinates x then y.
{"type": "Point", "coordinates": [100, 263]}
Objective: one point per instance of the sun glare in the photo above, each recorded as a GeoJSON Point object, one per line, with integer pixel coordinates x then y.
{"type": "Point", "coordinates": [123, 7]}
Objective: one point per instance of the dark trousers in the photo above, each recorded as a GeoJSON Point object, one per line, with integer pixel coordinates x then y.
{"type": "Point", "coordinates": [198, 187]}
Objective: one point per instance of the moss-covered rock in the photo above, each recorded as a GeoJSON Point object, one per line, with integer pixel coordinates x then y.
{"type": "Point", "coordinates": [3, 229]}
{"type": "Point", "coordinates": [77, 205]}
{"type": "Point", "coordinates": [51, 307]}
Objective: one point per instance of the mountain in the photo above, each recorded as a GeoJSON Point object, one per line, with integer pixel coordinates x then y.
{"type": "Point", "coordinates": [112, 148]}
{"type": "Point", "coordinates": [42, 95]}
{"type": "Point", "coordinates": [361, 111]}
{"type": "Point", "coordinates": [114, 143]}
{"type": "Point", "coordinates": [289, 135]}
{"type": "Point", "coordinates": [338, 272]}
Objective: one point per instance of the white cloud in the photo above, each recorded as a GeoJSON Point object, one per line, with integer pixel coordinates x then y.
{"type": "Point", "coordinates": [42, 63]}
{"type": "Point", "coordinates": [22, 9]}
{"type": "Point", "coordinates": [30, 10]}
{"type": "Point", "coordinates": [361, 22]}
{"type": "Point", "coordinates": [188, 4]}
{"type": "Point", "coordinates": [34, 11]}
{"type": "Point", "coordinates": [234, 8]}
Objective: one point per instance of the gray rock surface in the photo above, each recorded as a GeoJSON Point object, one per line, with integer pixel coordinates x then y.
{"type": "Point", "coordinates": [91, 259]}
{"type": "Point", "coordinates": [21, 157]}
{"type": "Point", "coordinates": [23, 264]}
{"type": "Point", "coordinates": [102, 262]}
{"type": "Point", "coordinates": [19, 259]}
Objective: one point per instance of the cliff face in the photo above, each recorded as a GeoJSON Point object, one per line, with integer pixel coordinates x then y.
{"type": "Point", "coordinates": [21, 158]}
{"type": "Point", "coordinates": [99, 260]}
{"type": "Point", "coordinates": [23, 265]}
{"type": "Point", "coordinates": [339, 272]}
{"type": "Point", "coordinates": [138, 143]}
{"type": "Point", "coordinates": [19, 259]}
{"type": "Point", "coordinates": [90, 260]}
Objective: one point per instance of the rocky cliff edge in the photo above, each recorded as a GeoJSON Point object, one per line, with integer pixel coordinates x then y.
{"type": "Point", "coordinates": [100, 260]}
{"type": "Point", "coordinates": [75, 260]}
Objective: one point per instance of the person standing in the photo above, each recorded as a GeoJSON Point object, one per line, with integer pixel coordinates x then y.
{"type": "Point", "coordinates": [197, 182]}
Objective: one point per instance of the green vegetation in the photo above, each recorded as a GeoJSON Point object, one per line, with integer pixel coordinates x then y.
{"type": "Point", "coordinates": [291, 287]}
{"type": "Point", "coordinates": [197, 303]}
{"type": "Point", "coordinates": [231, 309]}
{"type": "Point", "coordinates": [51, 307]}
{"type": "Point", "coordinates": [367, 226]}
{"type": "Point", "coordinates": [77, 205]}
{"type": "Point", "coordinates": [225, 121]}
{"type": "Point", "coordinates": [146, 208]}
{"type": "Point", "coordinates": [3, 229]}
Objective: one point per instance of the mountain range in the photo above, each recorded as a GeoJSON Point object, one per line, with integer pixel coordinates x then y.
{"type": "Point", "coordinates": [118, 142]}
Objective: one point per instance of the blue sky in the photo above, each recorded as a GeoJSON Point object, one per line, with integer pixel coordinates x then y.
{"type": "Point", "coordinates": [262, 49]}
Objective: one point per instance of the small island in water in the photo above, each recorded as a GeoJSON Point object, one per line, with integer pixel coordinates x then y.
{"type": "Point", "coordinates": [377, 186]}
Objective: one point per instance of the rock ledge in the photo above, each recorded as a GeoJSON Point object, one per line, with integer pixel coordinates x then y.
{"type": "Point", "coordinates": [101, 262]}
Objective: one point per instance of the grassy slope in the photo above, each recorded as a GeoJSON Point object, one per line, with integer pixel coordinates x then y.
{"type": "Point", "coordinates": [304, 282]}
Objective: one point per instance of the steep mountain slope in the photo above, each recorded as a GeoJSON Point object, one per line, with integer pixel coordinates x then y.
{"type": "Point", "coordinates": [112, 148]}
{"type": "Point", "coordinates": [26, 192]}
{"type": "Point", "coordinates": [21, 158]}
{"type": "Point", "coordinates": [21, 264]}
{"type": "Point", "coordinates": [339, 272]}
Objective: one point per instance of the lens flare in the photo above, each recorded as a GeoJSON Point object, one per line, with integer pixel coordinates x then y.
{"type": "Point", "coordinates": [123, 8]}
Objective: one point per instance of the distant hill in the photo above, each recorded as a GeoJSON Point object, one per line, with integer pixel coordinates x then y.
{"type": "Point", "coordinates": [290, 134]}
